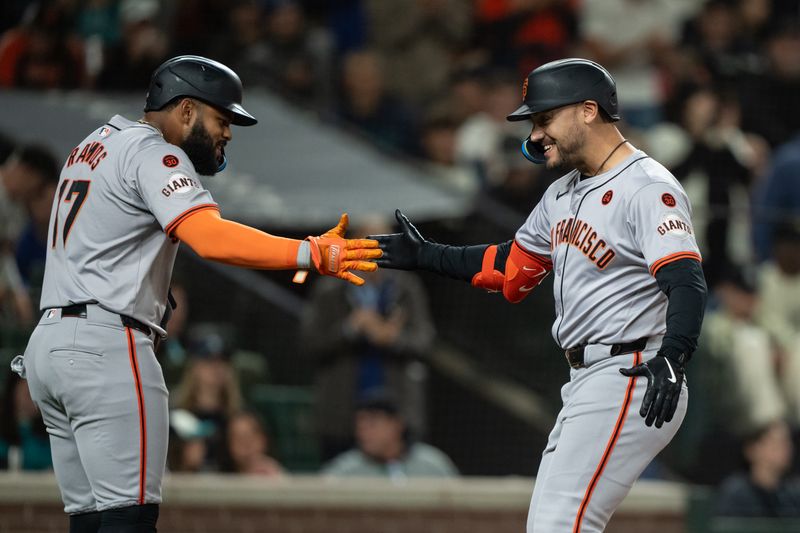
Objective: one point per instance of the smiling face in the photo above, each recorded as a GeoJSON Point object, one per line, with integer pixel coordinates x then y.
{"type": "Point", "coordinates": [561, 135]}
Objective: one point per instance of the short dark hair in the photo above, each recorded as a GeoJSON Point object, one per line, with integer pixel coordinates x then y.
{"type": "Point", "coordinates": [378, 400]}
{"type": "Point", "coordinates": [41, 160]}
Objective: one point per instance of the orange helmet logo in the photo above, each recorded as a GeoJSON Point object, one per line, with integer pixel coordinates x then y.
{"type": "Point", "coordinates": [524, 89]}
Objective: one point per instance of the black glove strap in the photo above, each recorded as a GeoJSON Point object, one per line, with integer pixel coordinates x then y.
{"type": "Point", "coordinates": [674, 355]}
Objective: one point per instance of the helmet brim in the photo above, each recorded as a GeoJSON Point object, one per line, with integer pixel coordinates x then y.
{"type": "Point", "coordinates": [240, 116]}
{"type": "Point", "coordinates": [524, 112]}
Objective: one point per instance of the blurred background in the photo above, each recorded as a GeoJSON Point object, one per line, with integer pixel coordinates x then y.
{"type": "Point", "coordinates": [366, 106]}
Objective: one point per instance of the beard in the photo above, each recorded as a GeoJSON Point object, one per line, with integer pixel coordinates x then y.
{"type": "Point", "coordinates": [569, 148]}
{"type": "Point", "coordinates": [199, 146]}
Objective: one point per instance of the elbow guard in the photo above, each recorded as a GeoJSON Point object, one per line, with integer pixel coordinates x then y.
{"type": "Point", "coordinates": [523, 272]}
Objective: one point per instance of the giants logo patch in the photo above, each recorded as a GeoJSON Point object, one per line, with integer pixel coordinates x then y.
{"type": "Point", "coordinates": [674, 225]}
{"type": "Point", "coordinates": [607, 197]}
{"type": "Point", "coordinates": [170, 161]}
{"type": "Point", "coordinates": [668, 200]}
{"type": "Point", "coordinates": [179, 184]}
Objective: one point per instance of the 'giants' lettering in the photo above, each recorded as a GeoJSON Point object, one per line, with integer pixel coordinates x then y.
{"type": "Point", "coordinates": [179, 183]}
{"type": "Point", "coordinates": [579, 234]}
{"type": "Point", "coordinates": [674, 225]}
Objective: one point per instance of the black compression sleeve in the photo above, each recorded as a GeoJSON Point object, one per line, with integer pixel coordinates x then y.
{"type": "Point", "coordinates": [685, 286]}
{"type": "Point", "coordinates": [460, 262]}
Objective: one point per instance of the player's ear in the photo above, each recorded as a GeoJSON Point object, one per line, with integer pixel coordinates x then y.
{"type": "Point", "coordinates": [187, 111]}
{"type": "Point", "coordinates": [590, 111]}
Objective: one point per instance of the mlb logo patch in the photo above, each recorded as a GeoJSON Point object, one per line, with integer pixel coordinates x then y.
{"type": "Point", "coordinates": [104, 131]}
{"type": "Point", "coordinates": [51, 313]}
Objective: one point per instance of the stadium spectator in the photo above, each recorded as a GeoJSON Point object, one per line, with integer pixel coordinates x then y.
{"type": "Point", "coordinates": [296, 63]}
{"type": "Point", "coordinates": [524, 34]}
{"type": "Point", "coordinates": [128, 64]}
{"type": "Point", "coordinates": [744, 357]}
{"type": "Point", "coordinates": [35, 165]}
{"type": "Point", "coordinates": [481, 139]}
{"type": "Point", "coordinates": [726, 161]}
{"type": "Point", "coordinates": [778, 311]}
{"type": "Point", "coordinates": [763, 489]}
{"type": "Point", "coordinates": [187, 448]}
{"type": "Point", "coordinates": [16, 306]}
{"type": "Point", "coordinates": [247, 447]}
{"type": "Point", "coordinates": [172, 351]}
{"type": "Point", "coordinates": [29, 177]}
{"type": "Point", "coordinates": [209, 388]}
{"type": "Point", "coordinates": [24, 442]}
{"type": "Point", "coordinates": [41, 53]}
{"type": "Point", "coordinates": [635, 51]}
{"type": "Point", "coordinates": [467, 92]}
{"type": "Point", "coordinates": [764, 96]}
{"type": "Point", "coordinates": [385, 448]}
{"type": "Point", "coordinates": [717, 45]}
{"type": "Point", "coordinates": [365, 103]}
{"type": "Point", "coordinates": [419, 46]}
{"type": "Point", "coordinates": [777, 197]}
{"type": "Point", "coordinates": [363, 339]}
{"type": "Point", "coordinates": [438, 139]}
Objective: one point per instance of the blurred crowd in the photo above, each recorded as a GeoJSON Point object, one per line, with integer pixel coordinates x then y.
{"type": "Point", "coordinates": [707, 87]}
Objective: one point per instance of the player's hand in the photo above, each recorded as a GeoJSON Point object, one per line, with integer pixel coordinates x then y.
{"type": "Point", "coordinates": [401, 250]}
{"type": "Point", "coordinates": [333, 255]}
{"type": "Point", "coordinates": [664, 382]}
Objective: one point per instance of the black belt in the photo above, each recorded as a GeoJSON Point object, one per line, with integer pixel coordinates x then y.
{"type": "Point", "coordinates": [575, 355]}
{"type": "Point", "coordinates": [79, 311]}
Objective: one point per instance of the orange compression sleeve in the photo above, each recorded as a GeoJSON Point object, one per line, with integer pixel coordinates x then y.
{"type": "Point", "coordinates": [217, 239]}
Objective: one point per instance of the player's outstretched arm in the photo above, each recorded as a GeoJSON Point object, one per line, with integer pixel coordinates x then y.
{"type": "Point", "coordinates": [225, 241]}
{"type": "Point", "coordinates": [505, 267]}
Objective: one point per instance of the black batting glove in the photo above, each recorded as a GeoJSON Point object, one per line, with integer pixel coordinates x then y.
{"type": "Point", "coordinates": [664, 380]}
{"type": "Point", "coordinates": [407, 250]}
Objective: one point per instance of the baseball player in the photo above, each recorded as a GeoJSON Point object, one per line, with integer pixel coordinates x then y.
{"type": "Point", "coordinates": [127, 195]}
{"type": "Point", "coordinates": [629, 291]}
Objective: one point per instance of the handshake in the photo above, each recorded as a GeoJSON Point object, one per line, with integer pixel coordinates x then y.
{"type": "Point", "coordinates": [334, 255]}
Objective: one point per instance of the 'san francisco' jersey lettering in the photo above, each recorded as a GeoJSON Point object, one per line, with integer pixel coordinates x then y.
{"type": "Point", "coordinates": [582, 235]}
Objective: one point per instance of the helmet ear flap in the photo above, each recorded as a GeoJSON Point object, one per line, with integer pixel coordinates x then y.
{"type": "Point", "coordinates": [533, 151]}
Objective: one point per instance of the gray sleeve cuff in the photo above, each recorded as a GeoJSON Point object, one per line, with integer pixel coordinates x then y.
{"type": "Point", "coordinates": [304, 255]}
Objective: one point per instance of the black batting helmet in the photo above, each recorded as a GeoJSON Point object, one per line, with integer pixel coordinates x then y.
{"type": "Point", "coordinates": [201, 78]}
{"type": "Point", "coordinates": [567, 81]}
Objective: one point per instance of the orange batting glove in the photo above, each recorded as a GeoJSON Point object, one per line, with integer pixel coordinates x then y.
{"type": "Point", "coordinates": [333, 255]}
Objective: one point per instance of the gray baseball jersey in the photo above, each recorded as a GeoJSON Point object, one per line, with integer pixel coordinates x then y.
{"type": "Point", "coordinates": [122, 191]}
{"type": "Point", "coordinates": [92, 372]}
{"type": "Point", "coordinates": [607, 236]}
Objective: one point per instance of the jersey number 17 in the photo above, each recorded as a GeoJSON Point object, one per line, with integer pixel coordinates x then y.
{"type": "Point", "coordinates": [76, 196]}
